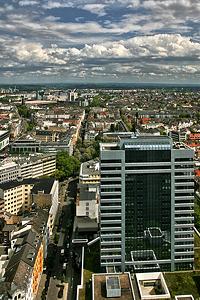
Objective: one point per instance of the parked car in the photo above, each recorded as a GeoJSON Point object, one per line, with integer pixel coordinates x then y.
{"type": "Point", "coordinates": [60, 294]}
{"type": "Point", "coordinates": [64, 266]}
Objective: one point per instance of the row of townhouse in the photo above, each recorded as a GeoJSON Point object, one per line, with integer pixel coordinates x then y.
{"type": "Point", "coordinates": [19, 196]}
{"type": "Point", "coordinates": [25, 239]}
{"type": "Point", "coordinates": [22, 267]}
{"type": "Point", "coordinates": [9, 120]}
{"type": "Point", "coordinates": [27, 166]}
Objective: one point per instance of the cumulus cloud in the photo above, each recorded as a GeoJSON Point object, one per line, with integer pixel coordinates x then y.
{"type": "Point", "coordinates": [57, 4]}
{"type": "Point", "coordinates": [27, 2]}
{"type": "Point", "coordinates": [51, 18]}
{"type": "Point", "coordinates": [139, 57]}
{"type": "Point", "coordinates": [98, 9]}
{"type": "Point", "coordinates": [6, 8]}
{"type": "Point", "coordinates": [116, 39]}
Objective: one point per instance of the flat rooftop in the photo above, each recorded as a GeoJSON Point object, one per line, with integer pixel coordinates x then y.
{"type": "Point", "coordinates": [99, 286]}
{"type": "Point", "coordinates": [184, 297]}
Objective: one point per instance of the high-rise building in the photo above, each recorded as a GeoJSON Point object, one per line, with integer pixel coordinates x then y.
{"type": "Point", "coordinates": [147, 207]}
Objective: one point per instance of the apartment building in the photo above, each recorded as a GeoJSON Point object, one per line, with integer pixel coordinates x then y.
{"type": "Point", "coordinates": [87, 201]}
{"type": "Point", "coordinates": [46, 135]}
{"type": "Point", "coordinates": [9, 170]}
{"type": "Point", "coordinates": [90, 172]}
{"type": "Point", "coordinates": [147, 209]}
{"type": "Point", "coordinates": [31, 166]}
{"type": "Point", "coordinates": [36, 166]}
{"type": "Point", "coordinates": [18, 196]}
{"type": "Point", "coordinates": [25, 267]}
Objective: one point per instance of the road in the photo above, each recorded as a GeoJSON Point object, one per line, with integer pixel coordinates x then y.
{"type": "Point", "coordinates": [72, 275]}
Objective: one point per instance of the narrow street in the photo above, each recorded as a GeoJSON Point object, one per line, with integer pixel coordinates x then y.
{"type": "Point", "coordinates": [72, 276]}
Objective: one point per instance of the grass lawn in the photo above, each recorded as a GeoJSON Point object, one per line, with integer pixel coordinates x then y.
{"type": "Point", "coordinates": [180, 283]}
{"type": "Point", "coordinates": [186, 283]}
{"type": "Point", "coordinates": [91, 265]}
{"type": "Point", "coordinates": [196, 240]}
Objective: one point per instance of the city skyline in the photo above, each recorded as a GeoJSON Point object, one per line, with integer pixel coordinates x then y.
{"type": "Point", "coordinates": [131, 41]}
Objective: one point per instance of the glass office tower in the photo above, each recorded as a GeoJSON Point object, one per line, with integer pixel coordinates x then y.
{"type": "Point", "coordinates": [147, 216]}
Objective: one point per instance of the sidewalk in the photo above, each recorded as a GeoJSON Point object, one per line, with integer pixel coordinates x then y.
{"type": "Point", "coordinates": [41, 287]}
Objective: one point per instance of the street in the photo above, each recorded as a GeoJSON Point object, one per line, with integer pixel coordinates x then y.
{"type": "Point", "coordinates": [72, 276]}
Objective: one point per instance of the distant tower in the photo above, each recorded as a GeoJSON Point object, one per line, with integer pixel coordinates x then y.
{"type": "Point", "coordinates": [72, 96]}
{"type": "Point", "coordinates": [42, 94]}
{"type": "Point", "coordinates": [23, 100]}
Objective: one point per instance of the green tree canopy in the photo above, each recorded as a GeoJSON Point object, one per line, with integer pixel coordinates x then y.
{"type": "Point", "coordinates": [78, 142]}
{"type": "Point", "coordinates": [66, 165]}
{"type": "Point", "coordinates": [184, 115]}
{"type": "Point", "coordinates": [22, 110]}
{"type": "Point", "coordinates": [196, 215]}
{"type": "Point", "coordinates": [77, 154]}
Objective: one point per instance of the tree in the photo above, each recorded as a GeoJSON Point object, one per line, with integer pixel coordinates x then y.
{"type": "Point", "coordinates": [184, 115]}
{"type": "Point", "coordinates": [112, 127]}
{"type": "Point", "coordinates": [44, 176]}
{"type": "Point", "coordinates": [87, 110]}
{"type": "Point", "coordinates": [22, 110]}
{"type": "Point", "coordinates": [97, 138]}
{"type": "Point", "coordinates": [58, 174]}
{"type": "Point", "coordinates": [106, 139]}
{"type": "Point", "coordinates": [198, 116]}
{"type": "Point", "coordinates": [196, 215]}
{"type": "Point", "coordinates": [43, 295]}
{"type": "Point", "coordinates": [87, 144]}
{"type": "Point", "coordinates": [87, 154]}
{"type": "Point", "coordinates": [63, 280]}
{"type": "Point", "coordinates": [30, 127]}
{"type": "Point", "coordinates": [77, 154]}
{"type": "Point", "coordinates": [56, 238]}
{"type": "Point", "coordinates": [162, 132]}
{"type": "Point", "coordinates": [66, 165]}
{"type": "Point", "coordinates": [78, 142]}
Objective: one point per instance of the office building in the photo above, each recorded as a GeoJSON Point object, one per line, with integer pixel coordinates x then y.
{"type": "Point", "coordinates": [25, 144]}
{"type": "Point", "coordinates": [4, 139]}
{"type": "Point", "coordinates": [147, 216]}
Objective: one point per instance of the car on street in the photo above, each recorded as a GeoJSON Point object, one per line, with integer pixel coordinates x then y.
{"type": "Point", "coordinates": [64, 266]}
{"type": "Point", "coordinates": [60, 294]}
{"type": "Point", "coordinates": [62, 252]}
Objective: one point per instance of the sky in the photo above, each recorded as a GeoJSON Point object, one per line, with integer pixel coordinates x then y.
{"type": "Point", "coordinates": [100, 41]}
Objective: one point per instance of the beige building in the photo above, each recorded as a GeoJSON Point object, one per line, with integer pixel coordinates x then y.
{"type": "Point", "coordinates": [18, 196]}
{"type": "Point", "coordinates": [36, 166]}
{"type": "Point", "coordinates": [9, 170]}
{"type": "Point", "coordinates": [46, 135]}
{"type": "Point", "coordinates": [89, 172]}
{"type": "Point", "coordinates": [31, 166]}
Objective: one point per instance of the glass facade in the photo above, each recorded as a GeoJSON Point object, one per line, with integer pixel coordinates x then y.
{"type": "Point", "coordinates": [146, 220]}
{"type": "Point", "coordinates": [147, 211]}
